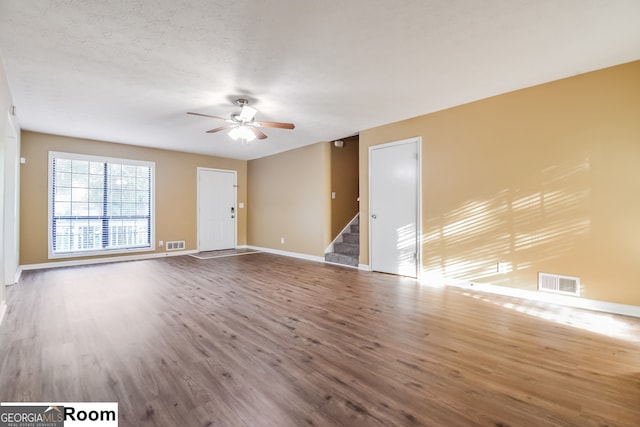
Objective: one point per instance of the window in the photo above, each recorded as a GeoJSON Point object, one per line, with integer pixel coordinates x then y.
{"type": "Point", "coordinates": [99, 205]}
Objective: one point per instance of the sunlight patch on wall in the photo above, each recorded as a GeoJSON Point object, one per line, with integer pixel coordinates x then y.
{"type": "Point", "coordinates": [522, 225]}
{"type": "Point", "coordinates": [406, 244]}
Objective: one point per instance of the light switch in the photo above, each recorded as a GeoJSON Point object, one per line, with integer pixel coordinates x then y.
{"type": "Point", "coordinates": [333, 194]}
{"type": "Point", "coordinates": [240, 205]}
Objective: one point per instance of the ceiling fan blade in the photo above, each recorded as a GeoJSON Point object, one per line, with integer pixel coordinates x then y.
{"type": "Point", "coordinates": [206, 115]}
{"type": "Point", "coordinates": [259, 134]}
{"type": "Point", "coordinates": [274, 125]}
{"type": "Point", "coordinates": [220, 128]}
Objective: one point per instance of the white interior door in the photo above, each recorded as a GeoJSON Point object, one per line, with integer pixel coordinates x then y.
{"type": "Point", "coordinates": [394, 208]}
{"type": "Point", "coordinates": [217, 210]}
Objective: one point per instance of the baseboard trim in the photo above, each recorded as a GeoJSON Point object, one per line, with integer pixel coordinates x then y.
{"type": "Point", "coordinates": [304, 256]}
{"type": "Point", "coordinates": [18, 275]}
{"type": "Point", "coordinates": [563, 300]}
{"type": "Point", "coordinates": [287, 253]}
{"type": "Point", "coordinates": [3, 310]}
{"type": "Point", "coordinates": [364, 267]}
{"type": "Point", "coordinates": [353, 267]}
{"type": "Point", "coordinates": [73, 263]}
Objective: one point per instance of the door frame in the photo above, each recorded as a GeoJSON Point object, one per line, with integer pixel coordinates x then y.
{"type": "Point", "coordinates": [10, 219]}
{"type": "Point", "coordinates": [418, 141]}
{"type": "Point", "coordinates": [235, 202]}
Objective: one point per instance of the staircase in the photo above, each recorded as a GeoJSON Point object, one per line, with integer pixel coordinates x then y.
{"type": "Point", "coordinates": [346, 247]}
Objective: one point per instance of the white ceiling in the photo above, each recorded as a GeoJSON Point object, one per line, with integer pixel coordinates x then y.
{"type": "Point", "coordinates": [128, 71]}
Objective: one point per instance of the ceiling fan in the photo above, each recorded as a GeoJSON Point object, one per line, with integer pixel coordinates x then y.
{"type": "Point", "coordinates": [242, 124]}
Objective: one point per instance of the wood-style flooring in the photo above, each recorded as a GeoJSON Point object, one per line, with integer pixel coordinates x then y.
{"type": "Point", "coordinates": [264, 340]}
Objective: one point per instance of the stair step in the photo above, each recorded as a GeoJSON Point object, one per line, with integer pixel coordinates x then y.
{"type": "Point", "coordinates": [351, 238]}
{"type": "Point", "coordinates": [341, 259]}
{"type": "Point", "coordinates": [347, 248]}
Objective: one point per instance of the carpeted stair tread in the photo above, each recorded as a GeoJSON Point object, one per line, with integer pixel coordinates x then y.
{"type": "Point", "coordinates": [351, 238]}
{"type": "Point", "coordinates": [347, 248]}
{"type": "Point", "coordinates": [341, 259]}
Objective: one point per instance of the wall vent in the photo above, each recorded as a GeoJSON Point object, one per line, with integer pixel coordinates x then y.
{"type": "Point", "coordinates": [559, 284]}
{"type": "Point", "coordinates": [175, 246]}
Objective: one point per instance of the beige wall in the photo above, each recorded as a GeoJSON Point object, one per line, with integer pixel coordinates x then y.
{"type": "Point", "coordinates": [289, 196]}
{"type": "Point", "coordinates": [176, 189]}
{"type": "Point", "coordinates": [344, 182]}
{"type": "Point", "coordinates": [546, 178]}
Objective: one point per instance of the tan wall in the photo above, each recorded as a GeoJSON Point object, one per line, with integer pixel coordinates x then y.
{"type": "Point", "coordinates": [289, 196]}
{"type": "Point", "coordinates": [344, 182]}
{"type": "Point", "coordinates": [546, 178]}
{"type": "Point", "coordinates": [176, 189]}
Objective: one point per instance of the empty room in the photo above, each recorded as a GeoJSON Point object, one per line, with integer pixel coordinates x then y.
{"type": "Point", "coordinates": [287, 213]}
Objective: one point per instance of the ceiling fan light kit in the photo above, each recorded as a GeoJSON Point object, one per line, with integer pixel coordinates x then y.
{"type": "Point", "coordinates": [243, 127]}
{"type": "Point", "coordinates": [242, 133]}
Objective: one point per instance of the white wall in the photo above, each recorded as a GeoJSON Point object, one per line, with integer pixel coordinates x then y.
{"type": "Point", "coordinates": [9, 190]}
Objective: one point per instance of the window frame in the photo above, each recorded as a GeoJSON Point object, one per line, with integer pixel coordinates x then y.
{"type": "Point", "coordinates": [101, 159]}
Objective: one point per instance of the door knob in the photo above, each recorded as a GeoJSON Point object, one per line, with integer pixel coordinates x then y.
{"type": "Point", "coordinates": [373, 216]}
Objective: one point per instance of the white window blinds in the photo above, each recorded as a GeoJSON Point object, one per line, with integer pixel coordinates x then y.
{"type": "Point", "coordinates": [99, 205]}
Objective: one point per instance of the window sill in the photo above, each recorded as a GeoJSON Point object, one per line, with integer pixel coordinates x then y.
{"type": "Point", "coordinates": [102, 253]}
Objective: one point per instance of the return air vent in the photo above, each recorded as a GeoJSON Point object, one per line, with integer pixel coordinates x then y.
{"type": "Point", "coordinates": [175, 246]}
{"type": "Point", "coordinates": [559, 284]}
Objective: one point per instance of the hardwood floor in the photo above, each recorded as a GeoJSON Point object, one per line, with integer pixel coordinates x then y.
{"type": "Point", "coordinates": [263, 340]}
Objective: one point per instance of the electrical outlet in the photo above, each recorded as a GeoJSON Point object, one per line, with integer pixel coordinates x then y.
{"type": "Point", "coordinates": [161, 243]}
{"type": "Point", "coordinates": [282, 240]}
{"type": "Point", "coordinates": [503, 267]}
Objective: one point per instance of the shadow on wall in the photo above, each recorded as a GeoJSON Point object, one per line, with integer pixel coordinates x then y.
{"type": "Point", "coordinates": [522, 227]}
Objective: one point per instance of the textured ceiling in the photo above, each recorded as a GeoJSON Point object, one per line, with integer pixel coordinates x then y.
{"type": "Point", "coordinates": [128, 71]}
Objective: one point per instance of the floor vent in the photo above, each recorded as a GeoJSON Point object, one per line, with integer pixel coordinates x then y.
{"type": "Point", "coordinates": [175, 246]}
{"type": "Point", "coordinates": [559, 284]}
